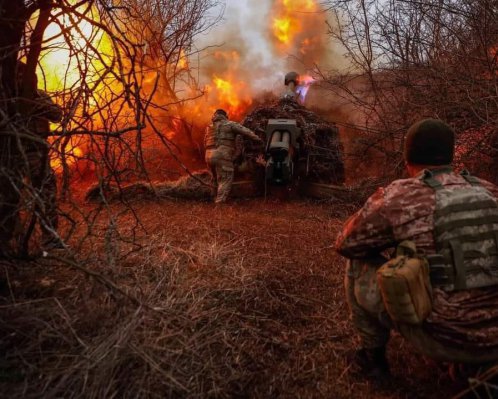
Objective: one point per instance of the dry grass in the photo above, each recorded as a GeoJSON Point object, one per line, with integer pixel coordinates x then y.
{"type": "Point", "coordinates": [240, 301]}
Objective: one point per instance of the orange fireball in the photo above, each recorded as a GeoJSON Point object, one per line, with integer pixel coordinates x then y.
{"type": "Point", "coordinates": [281, 29]}
{"type": "Point", "coordinates": [289, 14]}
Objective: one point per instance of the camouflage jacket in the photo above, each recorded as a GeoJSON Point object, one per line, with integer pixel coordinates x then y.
{"type": "Point", "coordinates": [40, 111]}
{"type": "Point", "coordinates": [44, 111]}
{"type": "Point", "coordinates": [402, 211]}
{"type": "Point", "coordinates": [405, 210]}
{"type": "Point", "coordinates": [222, 133]}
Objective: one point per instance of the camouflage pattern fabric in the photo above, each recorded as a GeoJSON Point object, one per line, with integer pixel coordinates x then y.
{"type": "Point", "coordinates": [44, 110]}
{"type": "Point", "coordinates": [220, 144]}
{"type": "Point", "coordinates": [44, 182]}
{"type": "Point", "coordinates": [222, 169]}
{"type": "Point", "coordinates": [31, 161]}
{"type": "Point", "coordinates": [367, 310]}
{"type": "Point", "coordinates": [373, 325]}
{"type": "Point", "coordinates": [466, 235]}
{"type": "Point", "coordinates": [39, 171]}
{"type": "Point", "coordinates": [463, 325]}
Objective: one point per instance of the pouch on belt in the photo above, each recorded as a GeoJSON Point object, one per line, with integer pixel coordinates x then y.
{"type": "Point", "coordinates": [405, 285]}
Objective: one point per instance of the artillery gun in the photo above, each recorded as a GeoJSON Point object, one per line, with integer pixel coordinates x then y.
{"type": "Point", "coordinates": [302, 153]}
{"type": "Point", "coordinates": [281, 150]}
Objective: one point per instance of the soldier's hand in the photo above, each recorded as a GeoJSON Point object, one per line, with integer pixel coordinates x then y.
{"type": "Point", "coordinates": [260, 160]}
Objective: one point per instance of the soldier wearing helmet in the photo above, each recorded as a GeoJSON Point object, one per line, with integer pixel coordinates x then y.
{"type": "Point", "coordinates": [291, 82]}
{"type": "Point", "coordinates": [448, 216]}
{"type": "Point", "coordinates": [219, 143]}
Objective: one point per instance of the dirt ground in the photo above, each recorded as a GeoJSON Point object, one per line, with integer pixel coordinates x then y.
{"type": "Point", "coordinates": [244, 300]}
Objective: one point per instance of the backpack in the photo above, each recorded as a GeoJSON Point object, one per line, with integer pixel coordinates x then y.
{"type": "Point", "coordinates": [465, 234]}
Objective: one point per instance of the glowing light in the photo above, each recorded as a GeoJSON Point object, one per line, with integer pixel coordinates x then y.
{"type": "Point", "coordinates": [182, 61]}
{"type": "Point", "coordinates": [288, 22]}
{"type": "Point", "coordinates": [305, 81]}
{"type": "Point", "coordinates": [307, 5]}
{"type": "Point", "coordinates": [59, 63]}
{"type": "Point", "coordinates": [71, 46]}
{"type": "Point", "coordinates": [72, 154]}
{"type": "Point", "coordinates": [227, 91]}
{"type": "Point", "coordinates": [281, 29]}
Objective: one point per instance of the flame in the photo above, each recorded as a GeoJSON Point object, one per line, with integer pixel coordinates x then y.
{"type": "Point", "coordinates": [58, 70]}
{"type": "Point", "coordinates": [298, 28]}
{"type": "Point", "coordinates": [231, 94]}
{"type": "Point", "coordinates": [69, 155]}
{"type": "Point", "coordinates": [305, 81]}
{"type": "Point", "coordinates": [287, 24]}
{"type": "Point", "coordinates": [281, 29]}
{"type": "Point", "coordinates": [58, 66]}
{"type": "Point", "coordinates": [223, 90]}
{"type": "Point", "coordinates": [226, 91]}
{"type": "Point", "coordinates": [295, 27]}
{"type": "Point", "coordinates": [182, 61]}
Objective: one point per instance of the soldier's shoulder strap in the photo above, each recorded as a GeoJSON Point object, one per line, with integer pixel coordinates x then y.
{"type": "Point", "coordinates": [470, 179]}
{"type": "Point", "coordinates": [428, 178]}
{"type": "Point", "coordinates": [229, 123]}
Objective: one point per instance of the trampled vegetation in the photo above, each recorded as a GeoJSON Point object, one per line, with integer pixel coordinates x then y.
{"type": "Point", "coordinates": [242, 301]}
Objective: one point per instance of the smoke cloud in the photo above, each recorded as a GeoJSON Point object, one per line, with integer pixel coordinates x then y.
{"type": "Point", "coordinates": [253, 47]}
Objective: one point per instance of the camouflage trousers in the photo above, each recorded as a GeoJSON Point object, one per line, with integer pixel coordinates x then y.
{"type": "Point", "coordinates": [373, 325]}
{"type": "Point", "coordinates": [367, 310]}
{"type": "Point", "coordinates": [34, 178]}
{"type": "Point", "coordinates": [221, 166]}
{"type": "Point", "coordinates": [44, 182]}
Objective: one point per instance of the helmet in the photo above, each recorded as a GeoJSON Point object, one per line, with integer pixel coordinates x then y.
{"type": "Point", "coordinates": [221, 112]}
{"type": "Point", "coordinates": [292, 77]}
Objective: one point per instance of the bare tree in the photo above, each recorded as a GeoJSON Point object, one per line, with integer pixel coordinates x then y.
{"type": "Point", "coordinates": [411, 59]}
{"type": "Point", "coordinates": [125, 80]}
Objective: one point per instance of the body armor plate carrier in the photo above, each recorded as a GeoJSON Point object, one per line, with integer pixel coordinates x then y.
{"type": "Point", "coordinates": [220, 133]}
{"type": "Point", "coordinates": [466, 235]}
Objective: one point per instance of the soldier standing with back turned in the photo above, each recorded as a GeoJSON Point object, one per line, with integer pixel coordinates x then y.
{"type": "Point", "coordinates": [219, 142]}
{"type": "Point", "coordinates": [450, 217]}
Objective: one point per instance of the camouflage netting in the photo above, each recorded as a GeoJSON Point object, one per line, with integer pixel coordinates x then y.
{"type": "Point", "coordinates": [321, 152]}
{"type": "Point", "coordinates": [194, 186]}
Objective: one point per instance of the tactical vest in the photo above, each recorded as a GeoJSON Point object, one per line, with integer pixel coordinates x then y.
{"type": "Point", "coordinates": [465, 234]}
{"type": "Point", "coordinates": [220, 133]}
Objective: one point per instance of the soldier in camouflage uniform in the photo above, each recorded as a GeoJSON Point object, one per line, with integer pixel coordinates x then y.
{"type": "Point", "coordinates": [219, 142]}
{"type": "Point", "coordinates": [39, 170]}
{"type": "Point", "coordinates": [291, 82]}
{"type": "Point", "coordinates": [32, 162]}
{"type": "Point", "coordinates": [463, 325]}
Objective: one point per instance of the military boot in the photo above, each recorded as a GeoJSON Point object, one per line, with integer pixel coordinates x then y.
{"type": "Point", "coordinates": [372, 363]}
